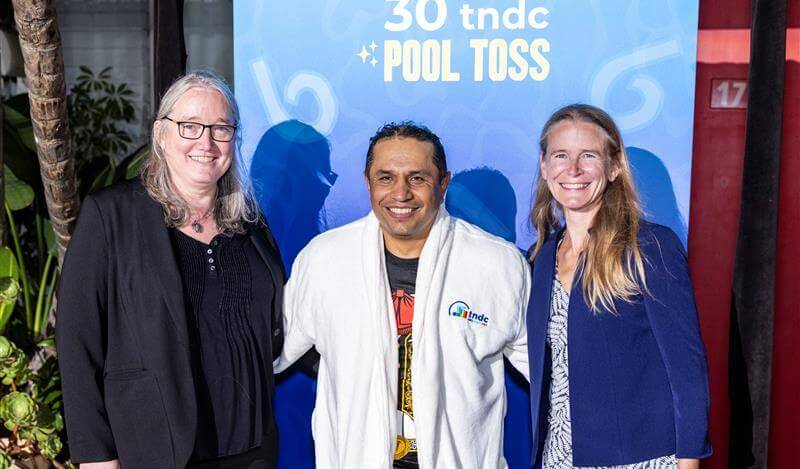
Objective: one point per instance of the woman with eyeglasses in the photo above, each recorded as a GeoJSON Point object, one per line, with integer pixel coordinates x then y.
{"type": "Point", "coordinates": [169, 307]}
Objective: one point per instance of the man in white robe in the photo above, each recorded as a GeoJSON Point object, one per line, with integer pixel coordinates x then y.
{"type": "Point", "coordinates": [411, 311]}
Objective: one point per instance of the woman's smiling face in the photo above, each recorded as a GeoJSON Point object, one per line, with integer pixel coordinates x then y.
{"type": "Point", "coordinates": [576, 165]}
{"type": "Point", "coordinates": [196, 164]}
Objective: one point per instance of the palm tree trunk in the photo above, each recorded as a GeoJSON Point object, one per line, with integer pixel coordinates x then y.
{"type": "Point", "coordinates": [40, 42]}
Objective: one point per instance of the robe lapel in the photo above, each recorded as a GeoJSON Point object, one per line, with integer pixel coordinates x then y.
{"type": "Point", "coordinates": [427, 362]}
{"type": "Point", "coordinates": [430, 275]}
{"type": "Point", "coordinates": [161, 258]}
{"type": "Point", "coordinates": [380, 314]}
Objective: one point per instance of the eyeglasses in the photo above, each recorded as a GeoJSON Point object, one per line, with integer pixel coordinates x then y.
{"type": "Point", "coordinates": [194, 130]}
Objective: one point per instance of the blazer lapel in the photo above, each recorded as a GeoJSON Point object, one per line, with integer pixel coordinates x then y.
{"type": "Point", "coordinates": [539, 311]}
{"type": "Point", "coordinates": [158, 248]}
{"type": "Point", "coordinates": [268, 252]}
{"type": "Point", "coordinates": [538, 314]}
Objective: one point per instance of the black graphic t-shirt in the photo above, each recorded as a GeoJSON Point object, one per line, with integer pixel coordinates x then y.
{"type": "Point", "coordinates": [402, 280]}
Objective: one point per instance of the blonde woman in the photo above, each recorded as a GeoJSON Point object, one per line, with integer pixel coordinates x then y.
{"type": "Point", "coordinates": [618, 370]}
{"type": "Point", "coordinates": [169, 308]}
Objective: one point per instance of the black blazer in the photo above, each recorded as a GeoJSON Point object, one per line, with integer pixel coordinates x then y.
{"type": "Point", "coordinates": [122, 338]}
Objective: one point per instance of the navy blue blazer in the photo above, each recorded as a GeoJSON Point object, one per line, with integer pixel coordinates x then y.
{"type": "Point", "coordinates": [638, 380]}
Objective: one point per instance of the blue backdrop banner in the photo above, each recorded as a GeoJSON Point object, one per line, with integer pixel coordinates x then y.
{"type": "Point", "coordinates": [316, 78]}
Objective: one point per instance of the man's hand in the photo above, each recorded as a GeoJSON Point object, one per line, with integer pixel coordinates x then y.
{"type": "Point", "coordinates": [688, 464]}
{"type": "Point", "coordinates": [101, 465]}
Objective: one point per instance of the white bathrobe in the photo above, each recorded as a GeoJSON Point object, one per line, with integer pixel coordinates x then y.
{"type": "Point", "coordinates": [471, 296]}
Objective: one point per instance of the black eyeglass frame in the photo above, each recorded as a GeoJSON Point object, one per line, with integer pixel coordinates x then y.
{"type": "Point", "coordinates": [210, 128]}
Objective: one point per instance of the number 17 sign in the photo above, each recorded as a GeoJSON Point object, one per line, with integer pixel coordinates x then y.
{"type": "Point", "coordinates": [728, 94]}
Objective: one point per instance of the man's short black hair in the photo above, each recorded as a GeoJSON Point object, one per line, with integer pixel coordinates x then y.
{"type": "Point", "coordinates": [408, 129]}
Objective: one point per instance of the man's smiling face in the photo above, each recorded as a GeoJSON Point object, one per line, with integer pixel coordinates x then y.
{"type": "Point", "coordinates": [405, 189]}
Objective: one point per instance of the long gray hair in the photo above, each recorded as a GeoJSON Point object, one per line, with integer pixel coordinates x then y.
{"type": "Point", "coordinates": [234, 205]}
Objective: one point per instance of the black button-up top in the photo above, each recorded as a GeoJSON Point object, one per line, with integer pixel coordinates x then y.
{"type": "Point", "coordinates": [224, 282]}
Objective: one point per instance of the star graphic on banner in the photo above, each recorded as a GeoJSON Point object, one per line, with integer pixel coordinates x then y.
{"type": "Point", "coordinates": [363, 54]}
{"type": "Point", "coordinates": [373, 46]}
{"type": "Point", "coordinates": [373, 62]}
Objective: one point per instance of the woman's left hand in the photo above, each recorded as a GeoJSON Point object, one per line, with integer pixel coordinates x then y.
{"type": "Point", "coordinates": [688, 464]}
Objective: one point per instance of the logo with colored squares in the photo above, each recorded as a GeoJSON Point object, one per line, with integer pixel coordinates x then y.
{"type": "Point", "coordinates": [461, 310]}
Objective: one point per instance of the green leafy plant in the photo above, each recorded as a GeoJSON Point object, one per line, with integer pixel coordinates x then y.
{"type": "Point", "coordinates": [9, 285]}
{"type": "Point", "coordinates": [30, 394]}
{"type": "Point", "coordinates": [30, 408]}
{"type": "Point", "coordinates": [35, 285]}
{"type": "Point", "coordinates": [97, 108]}
{"type": "Point", "coordinates": [98, 111]}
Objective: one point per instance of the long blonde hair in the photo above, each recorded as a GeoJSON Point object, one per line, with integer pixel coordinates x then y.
{"type": "Point", "coordinates": [234, 205]}
{"type": "Point", "coordinates": [612, 263]}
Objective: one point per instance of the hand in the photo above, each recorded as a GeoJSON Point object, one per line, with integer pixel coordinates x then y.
{"type": "Point", "coordinates": [100, 465]}
{"type": "Point", "coordinates": [688, 464]}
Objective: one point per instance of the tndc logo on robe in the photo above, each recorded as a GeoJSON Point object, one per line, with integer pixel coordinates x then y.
{"type": "Point", "coordinates": [461, 310]}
